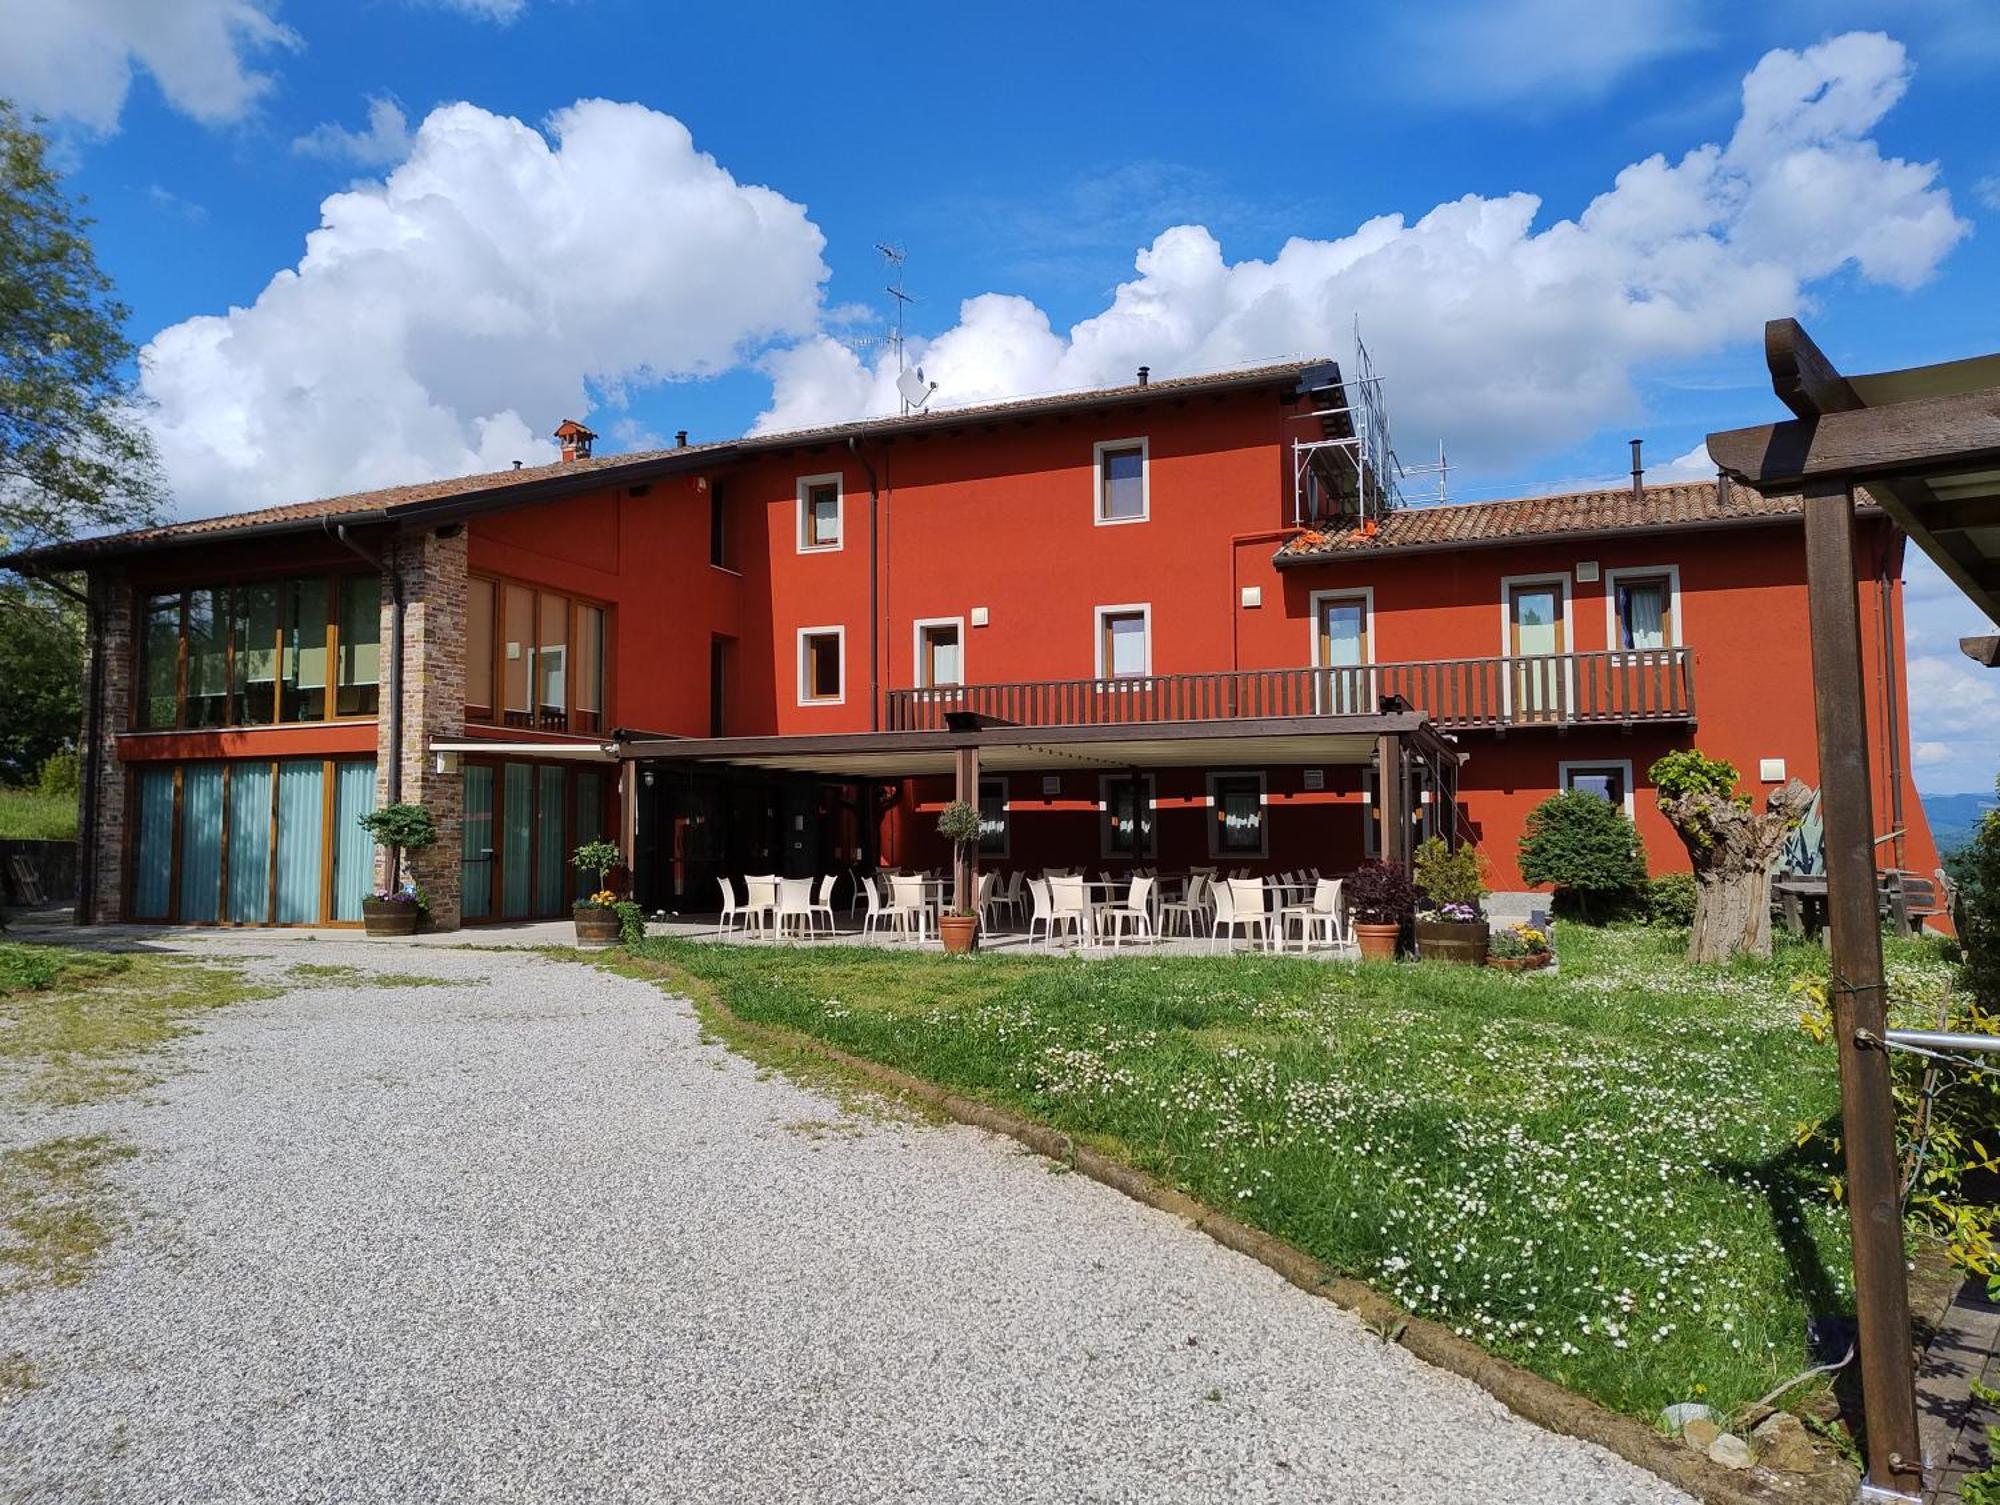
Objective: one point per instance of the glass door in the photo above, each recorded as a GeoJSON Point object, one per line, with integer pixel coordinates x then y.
{"type": "Point", "coordinates": [475, 852]}
{"type": "Point", "coordinates": [1346, 687]}
{"type": "Point", "coordinates": [1538, 683]}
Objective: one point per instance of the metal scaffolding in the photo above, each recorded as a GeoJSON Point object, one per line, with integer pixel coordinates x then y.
{"type": "Point", "coordinates": [1351, 474]}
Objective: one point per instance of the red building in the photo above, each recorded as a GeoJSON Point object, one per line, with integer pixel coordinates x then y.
{"type": "Point", "coordinates": [1168, 630]}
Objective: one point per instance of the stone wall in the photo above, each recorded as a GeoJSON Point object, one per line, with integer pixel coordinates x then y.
{"type": "Point", "coordinates": [431, 683]}
{"type": "Point", "coordinates": [105, 903]}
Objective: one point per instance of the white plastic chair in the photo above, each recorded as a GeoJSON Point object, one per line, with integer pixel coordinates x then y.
{"type": "Point", "coordinates": [822, 904]}
{"type": "Point", "coordinates": [1041, 909]}
{"type": "Point", "coordinates": [1185, 915]}
{"type": "Point", "coordinates": [908, 902]}
{"type": "Point", "coordinates": [760, 907]}
{"type": "Point", "coordinates": [732, 912]}
{"type": "Point", "coordinates": [795, 907]}
{"type": "Point", "coordinates": [988, 903]}
{"type": "Point", "coordinates": [1248, 911]}
{"type": "Point", "coordinates": [1319, 918]}
{"type": "Point", "coordinates": [1071, 909]}
{"type": "Point", "coordinates": [1134, 917]}
{"type": "Point", "coordinates": [1011, 896]}
{"type": "Point", "coordinates": [878, 906]}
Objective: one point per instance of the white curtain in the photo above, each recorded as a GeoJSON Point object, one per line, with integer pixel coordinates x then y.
{"type": "Point", "coordinates": [1645, 617]}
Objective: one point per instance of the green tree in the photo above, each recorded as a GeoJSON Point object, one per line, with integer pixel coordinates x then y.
{"type": "Point", "coordinates": [1980, 901]}
{"type": "Point", "coordinates": [41, 678]}
{"type": "Point", "coordinates": [1584, 846]}
{"type": "Point", "coordinates": [74, 456]}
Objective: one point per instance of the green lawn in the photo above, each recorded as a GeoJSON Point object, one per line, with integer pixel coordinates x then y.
{"type": "Point", "coordinates": [28, 814]}
{"type": "Point", "coordinates": [1597, 1174]}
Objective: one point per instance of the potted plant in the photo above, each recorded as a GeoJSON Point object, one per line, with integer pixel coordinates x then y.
{"type": "Point", "coordinates": [1521, 948]}
{"type": "Point", "coordinates": [958, 926]}
{"type": "Point", "coordinates": [396, 907]}
{"type": "Point", "coordinates": [1382, 899]}
{"type": "Point", "coordinates": [597, 922]}
{"type": "Point", "coordinates": [1451, 924]}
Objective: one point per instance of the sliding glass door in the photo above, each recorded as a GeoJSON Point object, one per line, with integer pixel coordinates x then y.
{"type": "Point", "coordinates": [522, 821]}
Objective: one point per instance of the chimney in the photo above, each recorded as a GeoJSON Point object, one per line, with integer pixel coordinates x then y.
{"type": "Point", "coordinates": [1638, 472]}
{"type": "Point", "coordinates": [575, 440]}
{"type": "Point", "coordinates": [1722, 496]}
{"type": "Point", "coordinates": [1145, 375]}
{"type": "Point", "coordinates": [680, 438]}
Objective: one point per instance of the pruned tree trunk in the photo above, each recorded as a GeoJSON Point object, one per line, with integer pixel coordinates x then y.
{"type": "Point", "coordinates": [1733, 848]}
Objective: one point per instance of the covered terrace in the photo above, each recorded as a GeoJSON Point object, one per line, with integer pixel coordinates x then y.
{"type": "Point", "coordinates": [1391, 765]}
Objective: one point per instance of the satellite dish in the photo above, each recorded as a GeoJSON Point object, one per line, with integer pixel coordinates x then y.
{"type": "Point", "coordinates": [914, 389]}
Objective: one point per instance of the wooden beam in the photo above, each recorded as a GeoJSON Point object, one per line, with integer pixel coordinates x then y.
{"type": "Point", "coordinates": [1984, 651]}
{"type": "Point", "coordinates": [1391, 790]}
{"type": "Point", "coordinates": [1859, 995]}
{"type": "Point", "coordinates": [1804, 379]}
{"type": "Point", "coordinates": [1960, 513]}
{"type": "Point", "coordinates": [1935, 436]}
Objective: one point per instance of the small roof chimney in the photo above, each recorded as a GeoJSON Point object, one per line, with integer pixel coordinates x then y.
{"type": "Point", "coordinates": [1638, 472]}
{"type": "Point", "coordinates": [680, 438]}
{"type": "Point", "coordinates": [1145, 375]}
{"type": "Point", "coordinates": [575, 439]}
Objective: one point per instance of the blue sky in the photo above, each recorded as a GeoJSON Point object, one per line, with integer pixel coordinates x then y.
{"type": "Point", "coordinates": [481, 272]}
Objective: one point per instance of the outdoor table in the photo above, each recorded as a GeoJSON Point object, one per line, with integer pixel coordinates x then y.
{"type": "Point", "coordinates": [1803, 903]}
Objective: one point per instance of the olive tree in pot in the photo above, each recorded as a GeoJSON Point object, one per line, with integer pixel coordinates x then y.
{"type": "Point", "coordinates": [1382, 900]}
{"type": "Point", "coordinates": [597, 921]}
{"type": "Point", "coordinates": [395, 908]}
{"type": "Point", "coordinates": [1451, 921]}
{"type": "Point", "coordinates": [958, 926]}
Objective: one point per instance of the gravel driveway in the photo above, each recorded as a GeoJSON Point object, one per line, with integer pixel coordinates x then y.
{"type": "Point", "coordinates": [525, 1237]}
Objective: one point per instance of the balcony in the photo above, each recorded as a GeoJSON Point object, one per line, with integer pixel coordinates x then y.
{"type": "Point", "coordinates": [1648, 686]}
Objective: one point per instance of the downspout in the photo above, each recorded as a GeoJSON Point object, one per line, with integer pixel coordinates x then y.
{"type": "Point", "coordinates": [874, 588]}
{"type": "Point", "coordinates": [1892, 722]}
{"type": "Point", "coordinates": [86, 846]}
{"type": "Point", "coordinates": [395, 655]}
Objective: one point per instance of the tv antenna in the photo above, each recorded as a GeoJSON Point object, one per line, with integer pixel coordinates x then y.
{"type": "Point", "coordinates": [910, 385]}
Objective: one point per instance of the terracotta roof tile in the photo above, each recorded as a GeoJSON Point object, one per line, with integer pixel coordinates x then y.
{"type": "Point", "coordinates": [1673, 504]}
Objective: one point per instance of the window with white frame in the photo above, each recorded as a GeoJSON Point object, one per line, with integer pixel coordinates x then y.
{"type": "Point", "coordinates": [822, 651]}
{"type": "Point", "coordinates": [1124, 642]}
{"type": "Point", "coordinates": [1644, 608]}
{"type": "Point", "coordinates": [819, 513]}
{"type": "Point", "coordinates": [940, 648]}
{"type": "Point", "coordinates": [1125, 824]}
{"type": "Point", "coordinates": [1236, 825]}
{"type": "Point", "coordinates": [1121, 481]}
{"type": "Point", "coordinates": [1609, 780]}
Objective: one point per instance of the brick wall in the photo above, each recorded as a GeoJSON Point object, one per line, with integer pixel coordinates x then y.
{"type": "Point", "coordinates": [106, 901]}
{"type": "Point", "coordinates": [432, 686]}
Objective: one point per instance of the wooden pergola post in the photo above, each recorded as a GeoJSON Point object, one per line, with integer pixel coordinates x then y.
{"type": "Point", "coordinates": [1859, 995]}
{"type": "Point", "coordinates": [1394, 791]}
{"type": "Point", "coordinates": [965, 857]}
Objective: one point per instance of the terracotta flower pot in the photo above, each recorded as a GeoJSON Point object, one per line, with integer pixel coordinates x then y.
{"type": "Point", "coordinates": [1533, 963]}
{"type": "Point", "coordinates": [596, 926]}
{"type": "Point", "coordinates": [959, 932]}
{"type": "Point", "coordinates": [1461, 941]}
{"type": "Point", "coordinates": [388, 917]}
{"type": "Point", "coordinates": [1377, 942]}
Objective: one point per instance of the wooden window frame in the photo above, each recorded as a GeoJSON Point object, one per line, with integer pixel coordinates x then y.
{"type": "Point", "coordinates": [573, 715]}
{"type": "Point", "coordinates": [805, 635]}
{"type": "Point", "coordinates": [806, 486]}
{"type": "Point", "coordinates": [1638, 574]}
{"type": "Point", "coordinates": [1100, 619]}
{"type": "Point", "coordinates": [920, 629]}
{"type": "Point", "coordinates": [1569, 768]}
{"type": "Point", "coordinates": [1099, 496]}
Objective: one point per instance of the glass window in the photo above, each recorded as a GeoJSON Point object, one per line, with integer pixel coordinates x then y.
{"type": "Point", "coordinates": [255, 630]}
{"type": "Point", "coordinates": [1645, 610]}
{"type": "Point", "coordinates": [718, 527]}
{"type": "Point", "coordinates": [589, 671]}
{"type": "Point", "coordinates": [479, 646]}
{"type": "Point", "coordinates": [1128, 816]}
{"type": "Point", "coordinates": [301, 834]}
{"type": "Point", "coordinates": [1239, 814]}
{"type": "Point", "coordinates": [820, 523]}
{"type": "Point", "coordinates": [304, 686]}
{"type": "Point", "coordinates": [1610, 781]}
{"type": "Point", "coordinates": [160, 660]}
{"type": "Point", "coordinates": [201, 844]}
{"type": "Point", "coordinates": [517, 655]}
{"type": "Point", "coordinates": [360, 647]}
{"type": "Point", "coordinates": [938, 660]}
{"type": "Point", "coordinates": [993, 817]}
{"type": "Point", "coordinates": [153, 843]}
{"type": "Point", "coordinates": [250, 844]}
{"type": "Point", "coordinates": [552, 662]}
{"type": "Point", "coordinates": [1121, 484]}
{"type": "Point", "coordinates": [207, 657]}
{"type": "Point", "coordinates": [819, 675]}
{"type": "Point", "coordinates": [1123, 651]}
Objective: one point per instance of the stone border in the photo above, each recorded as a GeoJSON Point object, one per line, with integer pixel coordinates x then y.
{"type": "Point", "coordinates": [1528, 1395]}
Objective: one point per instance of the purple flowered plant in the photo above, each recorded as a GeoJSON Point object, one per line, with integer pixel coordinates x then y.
{"type": "Point", "coordinates": [1458, 913]}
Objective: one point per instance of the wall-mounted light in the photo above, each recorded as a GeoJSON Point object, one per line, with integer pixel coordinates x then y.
{"type": "Point", "coordinates": [978, 616]}
{"type": "Point", "coordinates": [446, 762]}
{"type": "Point", "coordinates": [647, 776]}
{"type": "Point", "coordinates": [1586, 571]}
{"type": "Point", "coordinates": [1253, 595]}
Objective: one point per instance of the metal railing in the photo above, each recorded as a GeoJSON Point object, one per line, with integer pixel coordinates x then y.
{"type": "Point", "coordinates": [1556, 689]}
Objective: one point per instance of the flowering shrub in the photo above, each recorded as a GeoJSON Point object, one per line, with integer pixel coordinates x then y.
{"type": "Point", "coordinates": [1518, 941]}
{"type": "Point", "coordinates": [598, 857]}
{"type": "Point", "coordinates": [1380, 893]}
{"type": "Point", "coordinates": [411, 896]}
{"type": "Point", "coordinates": [1451, 882]}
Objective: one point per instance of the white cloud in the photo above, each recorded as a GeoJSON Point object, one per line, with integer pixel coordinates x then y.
{"type": "Point", "coordinates": [1954, 703]}
{"type": "Point", "coordinates": [384, 142]}
{"type": "Point", "coordinates": [1925, 754]}
{"type": "Point", "coordinates": [1987, 191]}
{"type": "Point", "coordinates": [502, 11]}
{"type": "Point", "coordinates": [1483, 52]}
{"type": "Point", "coordinates": [443, 319]}
{"type": "Point", "coordinates": [1504, 339]}
{"type": "Point", "coordinates": [75, 61]}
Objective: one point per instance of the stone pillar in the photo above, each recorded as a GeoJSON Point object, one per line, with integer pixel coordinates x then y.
{"type": "Point", "coordinates": [431, 684]}
{"type": "Point", "coordinates": [103, 841]}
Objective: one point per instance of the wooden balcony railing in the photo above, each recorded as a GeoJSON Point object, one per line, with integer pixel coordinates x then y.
{"type": "Point", "coordinates": [1556, 689]}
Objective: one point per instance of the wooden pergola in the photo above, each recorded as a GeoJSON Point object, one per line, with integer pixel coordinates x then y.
{"type": "Point", "coordinates": [1924, 443]}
